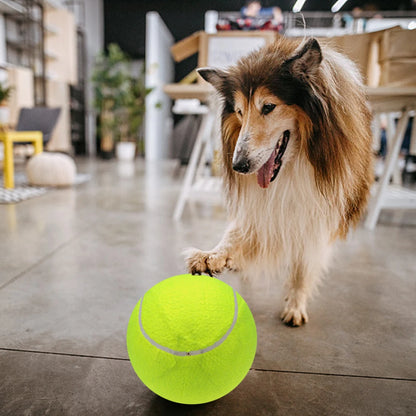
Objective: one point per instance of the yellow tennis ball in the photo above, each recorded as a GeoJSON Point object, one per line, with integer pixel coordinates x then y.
{"type": "Point", "coordinates": [191, 339]}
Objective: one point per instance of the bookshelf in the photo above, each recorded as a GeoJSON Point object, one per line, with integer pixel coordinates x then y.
{"type": "Point", "coordinates": [24, 25]}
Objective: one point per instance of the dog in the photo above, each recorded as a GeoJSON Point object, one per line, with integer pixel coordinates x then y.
{"type": "Point", "coordinates": [297, 158]}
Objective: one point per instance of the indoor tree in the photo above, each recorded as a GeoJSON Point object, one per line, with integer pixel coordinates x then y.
{"type": "Point", "coordinates": [111, 79]}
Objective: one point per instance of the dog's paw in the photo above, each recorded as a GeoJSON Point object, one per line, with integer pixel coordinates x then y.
{"type": "Point", "coordinates": [210, 262]}
{"type": "Point", "coordinates": [294, 313]}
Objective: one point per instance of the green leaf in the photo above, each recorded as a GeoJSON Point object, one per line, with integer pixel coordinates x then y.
{"type": "Point", "coordinates": [113, 83]}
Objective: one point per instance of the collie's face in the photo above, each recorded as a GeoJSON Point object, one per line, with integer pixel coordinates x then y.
{"type": "Point", "coordinates": [267, 125]}
{"type": "Point", "coordinates": [263, 100]}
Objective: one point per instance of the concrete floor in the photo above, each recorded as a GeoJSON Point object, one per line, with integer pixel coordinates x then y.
{"type": "Point", "coordinates": [74, 263]}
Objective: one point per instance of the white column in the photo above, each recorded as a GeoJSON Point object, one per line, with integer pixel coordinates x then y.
{"type": "Point", "coordinates": [159, 71]}
{"type": "Point", "coordinates": [94, 37]}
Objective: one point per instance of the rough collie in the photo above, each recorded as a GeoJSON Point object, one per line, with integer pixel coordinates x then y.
{"type": "Point", "coordinates": [297, 158]}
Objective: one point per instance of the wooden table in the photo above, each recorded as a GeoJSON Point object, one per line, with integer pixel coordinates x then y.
{"type": "Point", "coordinates": [200, 91]}
{"type": "Point", "coordinates": [387, 100]}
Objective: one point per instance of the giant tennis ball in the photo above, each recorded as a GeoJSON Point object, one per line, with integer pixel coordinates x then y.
{"type": "Point", "coordinates": [191, 339]}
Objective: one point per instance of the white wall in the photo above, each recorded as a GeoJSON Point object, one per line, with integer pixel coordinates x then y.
{"type": "Point", "coordinates": [159, 71]}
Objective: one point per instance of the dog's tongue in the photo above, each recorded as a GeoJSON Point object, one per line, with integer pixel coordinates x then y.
{"type": "Point", "coordinates": [265, 173]}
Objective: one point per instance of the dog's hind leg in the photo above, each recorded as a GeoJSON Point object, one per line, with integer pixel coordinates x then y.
{"type": "Point", "coordinates": [226, 255]}
{"type": "Point", "coordinates": [303, 280]}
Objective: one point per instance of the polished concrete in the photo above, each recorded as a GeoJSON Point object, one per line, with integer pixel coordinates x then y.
{"type": "Point", "coordinates": [75, 261]}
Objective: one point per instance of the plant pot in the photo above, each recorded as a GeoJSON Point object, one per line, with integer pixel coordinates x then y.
{"type": "Point", "coordinates": [106, 155]}
{"type": "Point", "coordinates": [4, 115]}
{"type": "Point", "coordinates": [125, 150]}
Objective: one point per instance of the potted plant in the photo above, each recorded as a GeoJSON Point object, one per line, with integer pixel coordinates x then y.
{"type": "Point", "coordinates": [131, 119]}
{"type": "Point", "coordinates": [4, 109]}
{"type": "Point", "coordinates": [111, 79]}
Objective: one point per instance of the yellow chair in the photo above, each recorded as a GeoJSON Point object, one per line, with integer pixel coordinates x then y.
{"type": "Point", "coordinates": [34, 125]}
{"type": "Point", "coordinates": [10, 137]}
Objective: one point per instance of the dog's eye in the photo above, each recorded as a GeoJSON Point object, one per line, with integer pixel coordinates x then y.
{"type": "Point", "coordinates": [239, 112]}
{"type": "Point", "coordinates": [267, 108]}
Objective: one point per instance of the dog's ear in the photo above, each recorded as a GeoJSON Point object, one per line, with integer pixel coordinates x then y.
{"type": "Point", "coordinates": [215, 77]}
{"type": "Point", "coordinates": [306, 61]}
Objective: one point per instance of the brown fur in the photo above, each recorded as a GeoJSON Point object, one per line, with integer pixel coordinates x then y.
{"type": "Point", "coordinates": [337, 145]}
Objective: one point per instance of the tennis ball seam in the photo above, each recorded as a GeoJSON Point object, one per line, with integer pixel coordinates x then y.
{"type": "Point", "coordinates": [193, 352]}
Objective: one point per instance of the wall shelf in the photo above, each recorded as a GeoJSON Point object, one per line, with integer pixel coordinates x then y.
{"type": "Point", "coordinates": [20, 46]}
{"type": "Point", "coordinates": [51, 30]}
{"type": "Point", "coordinates": [50, 56]}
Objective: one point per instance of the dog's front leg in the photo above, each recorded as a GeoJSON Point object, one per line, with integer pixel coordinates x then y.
{"type": "Point", "coordinates": [294, 313]}
{"type": "Point", "coordinates": [225, 255]}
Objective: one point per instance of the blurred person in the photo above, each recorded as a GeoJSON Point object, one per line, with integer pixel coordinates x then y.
{"type": "Point", "coordinates": [256, 17]}
{"type": "Point", "coordinates": [252, 9]}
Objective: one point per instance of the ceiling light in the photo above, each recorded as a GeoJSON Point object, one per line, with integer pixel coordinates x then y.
{"type": "Point", "coordinates": [337, 6]}
{"type": "Point", "coordinates": [298, 6]}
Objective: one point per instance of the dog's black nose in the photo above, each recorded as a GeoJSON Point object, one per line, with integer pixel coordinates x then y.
{"type": "Point", "coordinates": [242, 165]}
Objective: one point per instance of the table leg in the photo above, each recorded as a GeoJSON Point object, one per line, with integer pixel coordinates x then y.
{"type": "Point", "coordinates": [391, 160]}
{"type": "Point", "coordinates": [8, 164]}
{"type": "Point", "coordinates": [204, 130]}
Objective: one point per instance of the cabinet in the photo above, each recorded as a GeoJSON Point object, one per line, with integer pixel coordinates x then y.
{"type": "Point", "coordinates": [24, 23]}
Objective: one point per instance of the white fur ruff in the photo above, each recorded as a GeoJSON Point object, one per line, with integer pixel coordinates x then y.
{"type": "Point", "coordinates": [291, 223]}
